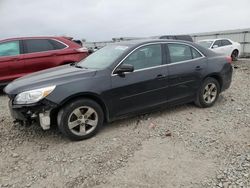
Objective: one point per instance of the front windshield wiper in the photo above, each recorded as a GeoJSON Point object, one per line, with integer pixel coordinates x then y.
{"type": "Point", "coordinates": [78, 66]}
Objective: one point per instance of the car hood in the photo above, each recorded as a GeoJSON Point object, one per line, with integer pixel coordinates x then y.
{"type": "Point", "coordinates": [54, 76]}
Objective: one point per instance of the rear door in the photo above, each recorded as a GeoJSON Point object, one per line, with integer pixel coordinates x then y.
{"type": "Point", "coordinates": [227, 47]}
{"type": "Point", "coordinates": [39, 54]}
{"type": "Point", "coordinates": [11, 61]}
{"type": "Point", "coordinates": [186, 65]}
{"type": "Point", "coordinates": [143, 88]}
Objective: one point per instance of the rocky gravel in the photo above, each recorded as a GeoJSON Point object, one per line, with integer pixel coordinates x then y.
{"type": "Point", "coordinates": [182, 146]}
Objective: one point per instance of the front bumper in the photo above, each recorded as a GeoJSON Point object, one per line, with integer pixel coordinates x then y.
{"type": "Point", "coordinates": [34, 113]}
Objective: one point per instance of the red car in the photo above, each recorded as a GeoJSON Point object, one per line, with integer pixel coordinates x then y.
{"type": "Point", "coordinates": [21, 56]}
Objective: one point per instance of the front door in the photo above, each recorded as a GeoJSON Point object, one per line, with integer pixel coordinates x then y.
{"type": "Point", "coordinates": [217, 47]}
{"type": "Point", "coordinates": [11, 61]}
{"type": "Point", "coordinates": [143, 88]}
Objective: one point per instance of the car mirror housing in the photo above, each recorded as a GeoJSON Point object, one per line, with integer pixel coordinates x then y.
{"type": "Point", "coordinates": [124, 68]}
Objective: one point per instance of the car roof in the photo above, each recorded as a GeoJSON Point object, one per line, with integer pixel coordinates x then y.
{"type": "Point", "coordinates": [134, 43]}
{"type": "Point", "coordinates": [214, 39]}
{"type": "Point", "coordinates": [36, 37]}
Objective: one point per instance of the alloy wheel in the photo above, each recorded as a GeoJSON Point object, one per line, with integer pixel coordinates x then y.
{"type": "Point", "coordinates": [235, 55]}
{"type": "Point", "coordinates": [210, 93]}
{"type": "Point", "coordinates": [83, 120]}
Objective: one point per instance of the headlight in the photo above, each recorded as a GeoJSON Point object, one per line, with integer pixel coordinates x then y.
{"type": "Point", "coordinates": [33, 96]}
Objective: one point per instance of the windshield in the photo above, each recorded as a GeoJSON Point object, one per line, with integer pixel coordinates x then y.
{"type": "Point", "coordinates": [205, 44]}
{"type": "Point", "coordinates": [104, 57]}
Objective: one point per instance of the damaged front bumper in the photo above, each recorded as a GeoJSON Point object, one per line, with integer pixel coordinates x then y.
{"type": "Point", "coordinates": [33, 113]}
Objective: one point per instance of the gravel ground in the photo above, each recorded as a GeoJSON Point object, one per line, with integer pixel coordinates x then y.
{"type": "Point", "coordinates": [184, 146]}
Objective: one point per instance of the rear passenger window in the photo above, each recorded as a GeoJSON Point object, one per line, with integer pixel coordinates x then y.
{"type": "Point", "coordinates": [195, 53]}
{"type": "Point", "coordinates": [37, 45]}
{"type": "Point", "coordinates": [9, 48]}
{"type": "Point", "coordinates": [179, 52]}
{"type": "Point", "coordinates": [57, 45]}
{"type": "Point", "coordinates": [226, 42]}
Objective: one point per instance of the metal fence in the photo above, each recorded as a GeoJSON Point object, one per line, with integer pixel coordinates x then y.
{"type": "Point", "coordinates": [241, 35]}
{"type": "Point", "coordinates": [101, 44]}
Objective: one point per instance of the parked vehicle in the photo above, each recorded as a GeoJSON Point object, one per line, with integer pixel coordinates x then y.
{"type": "Point", "coordinates": [177, 37]}
{"type": "Point", "coordinates": [119, 80]}
{"type": "Point", "coordinates": [223, 46]}
{"type": "Point", "coordinates": [21, 56]}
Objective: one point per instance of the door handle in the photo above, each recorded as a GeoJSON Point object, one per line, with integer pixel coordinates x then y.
{"type": "Point", "coordinates": [161, 76]}
{"type": "Point", "coordinates": [198, 68]}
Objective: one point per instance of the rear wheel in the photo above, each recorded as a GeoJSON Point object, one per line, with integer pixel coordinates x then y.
{"type": "Point", "coordinates": [208, 93]}
{"type": "Point", "coordinates": [81, 119]}
{"type": "Point", "coordinates": [235, 55]}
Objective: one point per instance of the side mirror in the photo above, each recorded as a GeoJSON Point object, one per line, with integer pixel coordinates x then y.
{"type": "Point", "coordinates": [124, 68]}
{"type": "Point", "coordinates": [215, 46]}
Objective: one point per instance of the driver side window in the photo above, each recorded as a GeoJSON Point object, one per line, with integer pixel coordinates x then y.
{"type": "Point", "coordinates": [9, 48]}
{"type": "Point", "coordinates": [145, 57]}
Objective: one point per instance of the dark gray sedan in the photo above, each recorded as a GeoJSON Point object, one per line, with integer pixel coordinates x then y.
{"type": "Point", "coordinates": [117, 81]}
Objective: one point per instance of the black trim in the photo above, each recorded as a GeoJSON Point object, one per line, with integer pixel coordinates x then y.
{"type": "Point", "coordinates": [167, 54]}
{"type": "Point", "coordinates": [24, 47]}
{"type": "Point", "coordinates": [21, 46]}
{"type": "Point", "coordinates": [190, 48]}
{"type": "Point", "coordinates": [164, 54]}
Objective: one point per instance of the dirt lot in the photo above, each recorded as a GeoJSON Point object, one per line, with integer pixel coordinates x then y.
{"type": "Point", "coordinates": [184, 146]}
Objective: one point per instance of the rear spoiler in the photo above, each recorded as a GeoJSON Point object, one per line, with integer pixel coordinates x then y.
{"type": "Point", "coordinates": [72, 39]}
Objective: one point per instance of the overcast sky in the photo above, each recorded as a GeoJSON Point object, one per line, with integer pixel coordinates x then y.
{"type": "Point", "coordinates": [97, 20]}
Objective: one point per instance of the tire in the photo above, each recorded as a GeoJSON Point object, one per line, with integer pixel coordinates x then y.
{"type": "Point", "coordinates": [80, 119]}
{"type": "Point", "coordinates": [207, 96]}
{"type": "Point", "coordinates": [235, 55]}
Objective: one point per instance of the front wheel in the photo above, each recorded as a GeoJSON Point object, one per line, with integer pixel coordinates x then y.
{"type": "Point", "coordinates": [80, 119]}
{"type": "Point", "coordinates": [208, 93]}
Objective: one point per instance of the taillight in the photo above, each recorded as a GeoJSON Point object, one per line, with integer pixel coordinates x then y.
{"type": "Point", "coordinates": [229, 59]}
{"type": "Point", "coordinates": [81, 50]}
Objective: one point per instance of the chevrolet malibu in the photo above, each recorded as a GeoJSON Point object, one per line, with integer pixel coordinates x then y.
{"type": "Point", "coordinates": [117, 81]}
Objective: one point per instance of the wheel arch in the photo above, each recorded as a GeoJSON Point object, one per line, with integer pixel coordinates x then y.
{"type": "Point", "coordinates": [215, 76]}
{"type": "Point", "coordinates": [87, 95]}
{"type": "Point", "coordinates": [237, 50]}
{"type": "Point", "coordinates": [237, 56]}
